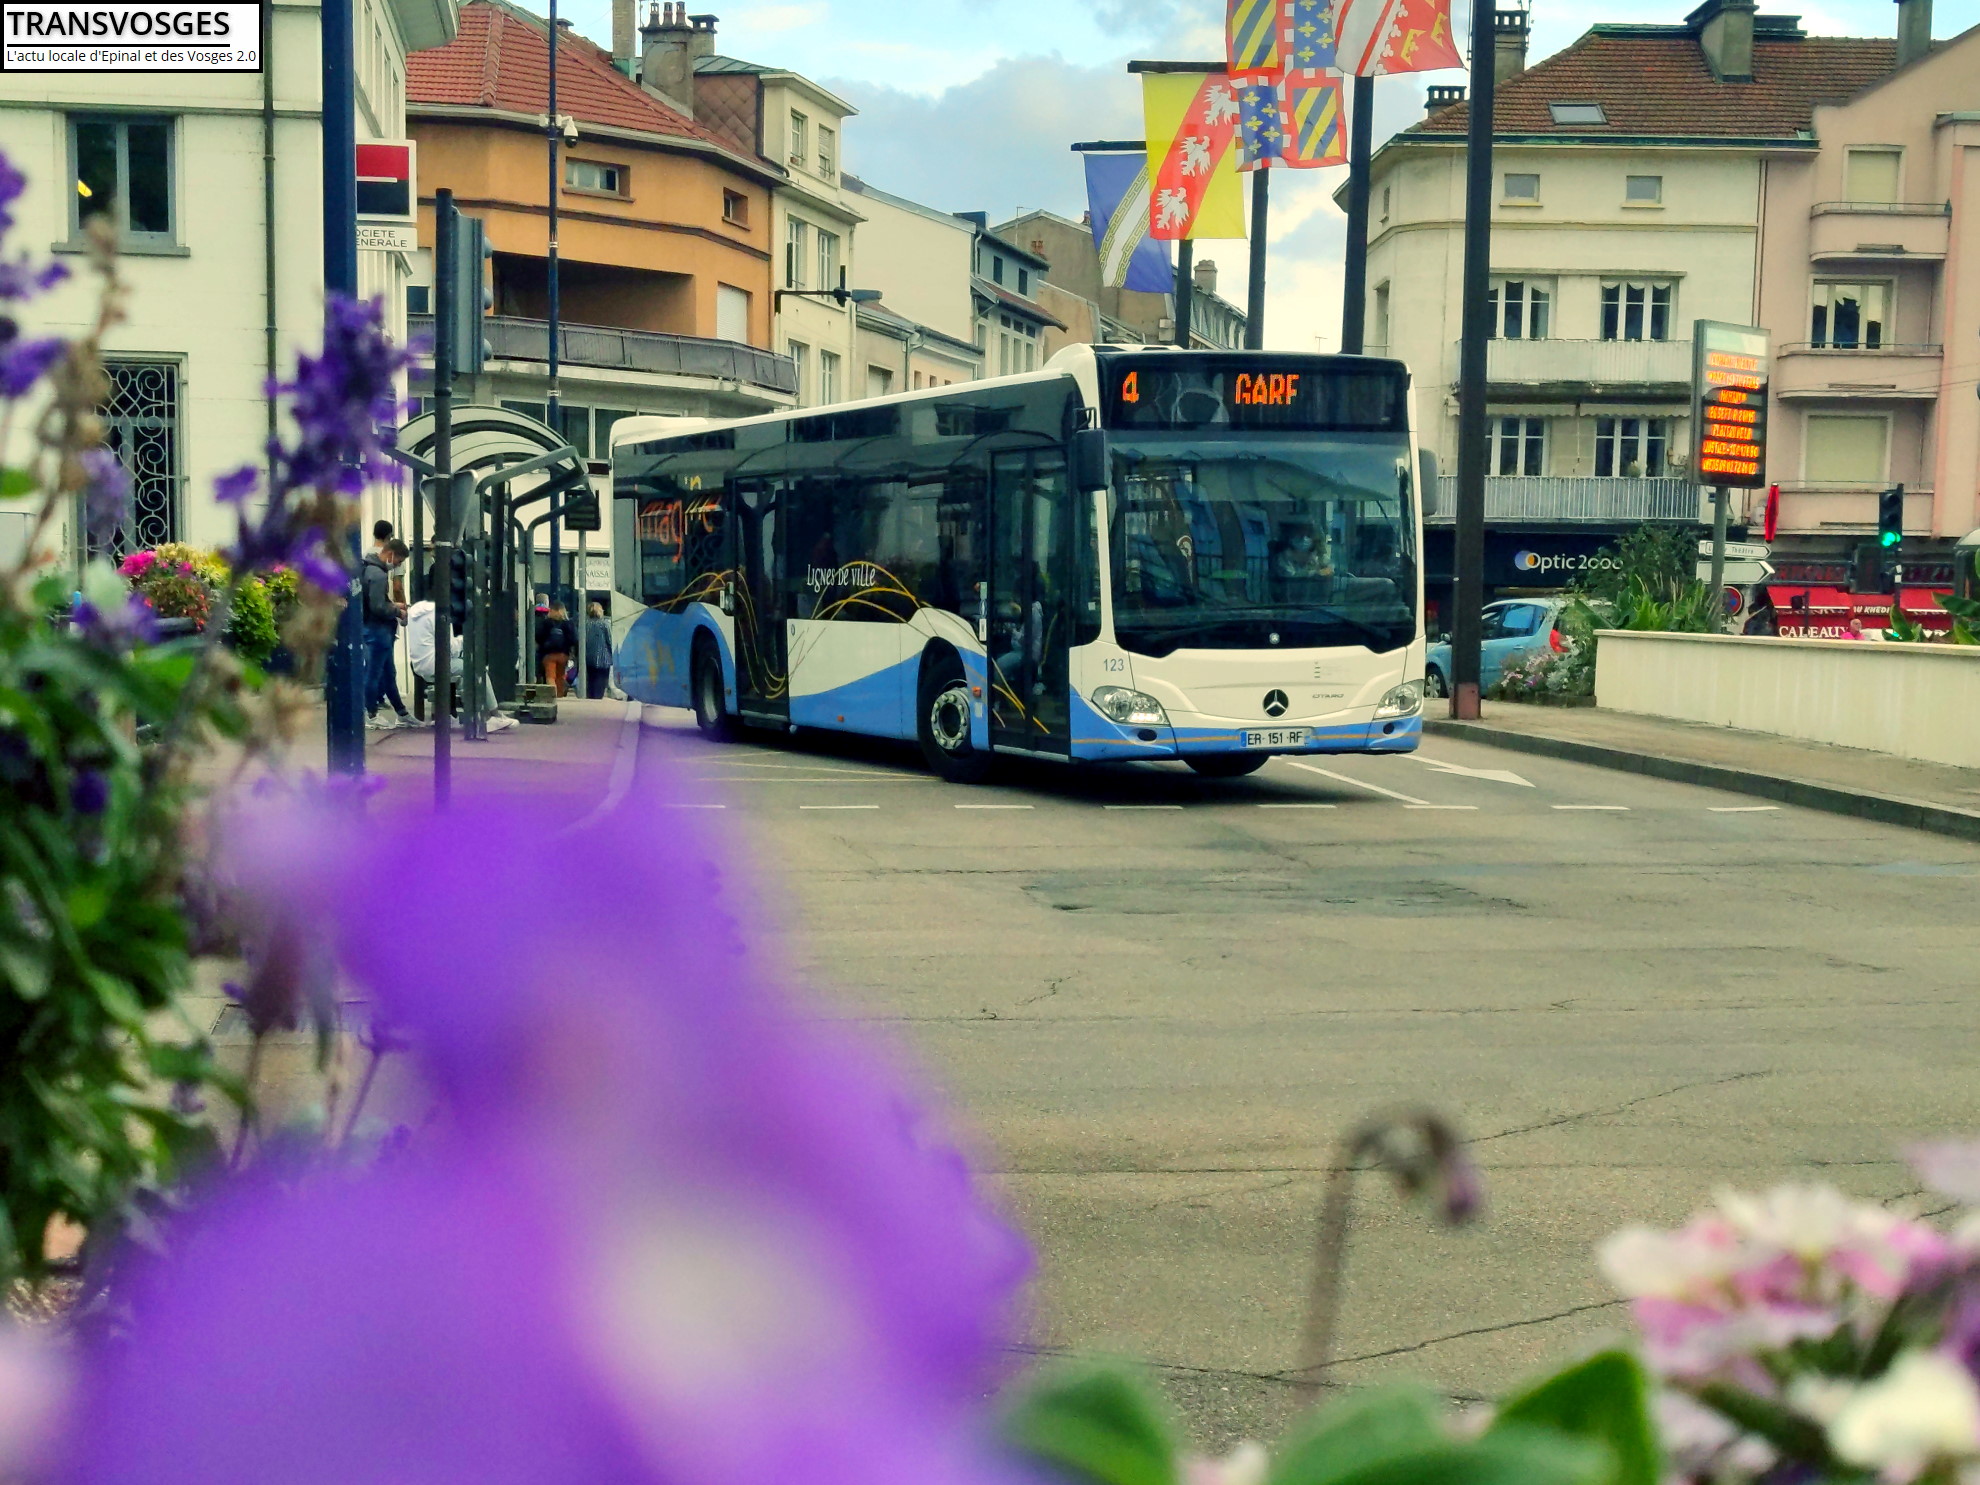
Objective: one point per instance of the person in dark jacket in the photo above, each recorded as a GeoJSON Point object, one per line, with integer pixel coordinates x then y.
{"type": "Point", "coordinates": [597, 653]}
{"type": "Point", "coordinates": [381, 631]}
{"type": "Point", "coordinates": [555, 640]}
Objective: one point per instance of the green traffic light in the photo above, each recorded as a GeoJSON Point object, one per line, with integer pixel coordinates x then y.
{"type": "Point", "coordinates": [1891, 538]}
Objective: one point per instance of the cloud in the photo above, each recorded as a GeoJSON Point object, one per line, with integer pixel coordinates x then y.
{"type": "Point", "coordinates": [773, 20]}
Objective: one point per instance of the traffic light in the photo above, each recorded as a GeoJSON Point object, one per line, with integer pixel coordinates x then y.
{"type": "Point", "coordinates": [1890, 517]}
{"type": "Point", "coordinates": [1867, 575]}
{"type": "Point", "coordinates": [457, 587]}
{"type": "Point", "coordinates": [474, 297]}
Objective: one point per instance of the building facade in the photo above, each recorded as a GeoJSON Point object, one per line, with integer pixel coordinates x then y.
{"type": "Point", "coordinates": [1636, 176]}
{"type": "Point", "coordinates": [216, 182]}
{"type": "Point", "coordinates": [921, 260]}
{"type": "Point", "coordinates": [1010, 323]}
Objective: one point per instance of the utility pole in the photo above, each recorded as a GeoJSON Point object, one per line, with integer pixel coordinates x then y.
{"type": "Point", "coordinates": [1261, 216]}
{"type": "Point", "coordinates": [555, 396]}
{"type": "Point", "coordinates": [1721, 498]}
{"type": "Point", "coordinates": [1469, 599]}
{"type": "Point", "coordinates": [1185, 289]}
{"type": "Point", "coordinates": [446, 316]}
{"type": "Point", "coordinates": [1354, 285]}
{"type": "Point", "coordinates": [344, 666]}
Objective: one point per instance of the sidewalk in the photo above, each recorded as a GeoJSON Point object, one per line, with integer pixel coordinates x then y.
{"type": "Point", "coordinates": [1844, 781]}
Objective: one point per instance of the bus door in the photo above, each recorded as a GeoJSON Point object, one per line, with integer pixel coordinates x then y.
{"type": "Point", "coordinates": [762, 665]}
{"type": "Point", "coordinates": [1030, 609]}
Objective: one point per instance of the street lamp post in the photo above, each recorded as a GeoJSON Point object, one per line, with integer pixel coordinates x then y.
{"type": "Point", "coordinates": [554, 397]}
{"type": "Point", "coordinates": [344, 667]}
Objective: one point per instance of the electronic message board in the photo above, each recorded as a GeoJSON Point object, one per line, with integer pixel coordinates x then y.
{"type": "Point", "coordinates": [1729, 404]}
{"type": "Point", "coordinates": [1200, 390]}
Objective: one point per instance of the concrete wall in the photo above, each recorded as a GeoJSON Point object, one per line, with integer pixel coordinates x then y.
{"type": "Point", "coordinates": [1914, 701]}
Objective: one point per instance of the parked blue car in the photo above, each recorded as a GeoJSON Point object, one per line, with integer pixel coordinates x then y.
{"type": "Point", "coordinates": [1514, 629]}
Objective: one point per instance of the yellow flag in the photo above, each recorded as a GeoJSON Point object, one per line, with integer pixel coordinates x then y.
{"type": "Point", "coordinates": [1192, 130]}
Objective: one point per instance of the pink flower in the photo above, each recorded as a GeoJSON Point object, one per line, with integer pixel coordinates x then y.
{"type": "Point", "coordinates": [137, 564]}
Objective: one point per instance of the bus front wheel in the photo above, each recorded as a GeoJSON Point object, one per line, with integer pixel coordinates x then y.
{"type": "Point", "coordinates": [944, 726]}
{"type": "Point", "coordinates": [1226, 765]}
{"type": "Point", "coordinates": [711, 713]}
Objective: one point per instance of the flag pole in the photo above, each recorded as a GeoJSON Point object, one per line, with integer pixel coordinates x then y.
{"type": "Point", "coordinates": [1185, 289]}
{"type": "Point", "coordinates": [1469, 597]}
{"type": "Point", "coordinates": [1261, 211]}
{"type": "Point", "coordinates": [1354, 288]}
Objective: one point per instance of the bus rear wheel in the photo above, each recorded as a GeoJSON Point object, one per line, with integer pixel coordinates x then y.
{"type": "Point", "coordinates": [944, 724]}
{"type": "Point", "coordinates": [711, 713]}
{"type": "Point", "coordinates": [1226, 765]}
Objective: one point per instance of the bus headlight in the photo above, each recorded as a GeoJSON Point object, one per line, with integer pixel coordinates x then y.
{"type": "Point", "coordinates": [1129, 708]}
{"type": "Point", "coordinates": [1405, 701]}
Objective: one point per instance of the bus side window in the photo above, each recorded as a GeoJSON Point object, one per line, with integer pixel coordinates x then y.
{"type": "Point", "coordinates": [1086, 550]}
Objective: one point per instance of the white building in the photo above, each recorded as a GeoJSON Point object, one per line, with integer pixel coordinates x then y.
{"type": "Point", "coordinates": [217, 180]}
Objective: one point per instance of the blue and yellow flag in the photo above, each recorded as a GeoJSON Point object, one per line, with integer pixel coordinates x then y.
{"type": "Point", "coordinates": [1251, 36]}
{"type": "Point", "coordinates": [1117, 200]}
{"type": "Point", "coordinates": [1296, 122]}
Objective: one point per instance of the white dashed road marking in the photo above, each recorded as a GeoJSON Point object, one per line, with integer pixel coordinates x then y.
{"type": "Point", "coordinates": [1742, 809]}
{"type": "Point", "coordinates": [838, 806]}
{"type": "Point", "coordinates": [1298, 806]}
{"type": "Point", "coordinates": [1620, 808]}
{"type": "Point", "coordinates": [996, 806]}
{"type": "Point", "coordinates": [1372, 788]}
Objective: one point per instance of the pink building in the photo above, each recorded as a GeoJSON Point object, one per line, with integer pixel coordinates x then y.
{"type": "Point", "coordinates": [1870, 284]}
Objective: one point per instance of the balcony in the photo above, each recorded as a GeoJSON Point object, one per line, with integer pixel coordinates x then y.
{"type": "Point", "coordinates": [1569, 368]}
{"type": "Point", "coordinates": [1573, 499]}
{"type": "Point", "coordinates": [1888, 373]}
{"type": "Point", "coordinates": [1882, 231]}
{"type": "Point", "coordinates": [603, 348]}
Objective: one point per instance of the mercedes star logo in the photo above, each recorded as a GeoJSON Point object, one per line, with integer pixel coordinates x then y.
{"type": "Point", "coordinates": [1276, 703]}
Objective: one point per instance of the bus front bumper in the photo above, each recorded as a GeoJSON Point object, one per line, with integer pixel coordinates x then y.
{"type": "Point", "coordinates": [1097, 738]}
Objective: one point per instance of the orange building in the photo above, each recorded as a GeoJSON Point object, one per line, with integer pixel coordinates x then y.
{"type": "Point", "coordinates": [664, 238]}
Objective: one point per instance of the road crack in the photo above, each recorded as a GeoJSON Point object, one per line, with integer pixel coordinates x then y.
{"type": "Point", "coordinates": [1565, 1119]}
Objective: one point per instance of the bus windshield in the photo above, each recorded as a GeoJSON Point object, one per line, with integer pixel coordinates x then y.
{"type": "Point", "coordinates": [1252, 542]}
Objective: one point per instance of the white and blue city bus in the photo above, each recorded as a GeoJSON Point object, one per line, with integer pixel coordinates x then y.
{"type": "Point", "coordinates": [1132, 553]}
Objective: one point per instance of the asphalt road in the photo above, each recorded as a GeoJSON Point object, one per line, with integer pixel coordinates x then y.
{"type": "Point", "coordinates": [1160, 999]}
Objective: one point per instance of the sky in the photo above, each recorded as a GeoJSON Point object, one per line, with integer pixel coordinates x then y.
{"type": "Point", "coordinates": [969, 105]}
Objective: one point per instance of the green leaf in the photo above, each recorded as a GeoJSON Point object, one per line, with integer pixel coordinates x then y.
{"type": "Point", "coordinates": [1357, 1432]}
{"type": "Point", "coordinates": [1795, 1436]}
{"type": "Point", "coordinates": [24, 967]}
{"type": "Point", "coordinates": [1512, 1456]}
{"type": "Point", "coordinates": [1096, 1423]}
{"type": "Point", "coordinates": [1605, 1399]}
{"type": "Point", "coordinates": [15, 482]}
{"type": "Point", "coordinates": [87, 902]}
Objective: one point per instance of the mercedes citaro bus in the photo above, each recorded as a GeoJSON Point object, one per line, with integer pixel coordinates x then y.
{"type": "Point", "coordinates": [1131, 553]}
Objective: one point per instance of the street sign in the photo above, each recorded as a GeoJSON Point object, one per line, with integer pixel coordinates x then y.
{"type": "Point", "coordinates": [387, 181]}
{"type": "Point", "coordinates": [1744, 573]}
{"type": "Point", "coordinates": [1739, 551]}
{"type": "Point", "coordinates": [387, 237]}
{"type": "Point", "coordinates": [1729, 374]}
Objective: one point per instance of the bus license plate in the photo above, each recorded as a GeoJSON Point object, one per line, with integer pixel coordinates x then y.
{"type": "Point", "coordinates": [1277, 737]}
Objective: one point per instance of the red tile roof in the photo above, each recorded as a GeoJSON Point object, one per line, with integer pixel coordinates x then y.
{"type": "Point", "coordinates": [1653, 80]}
{"type": "Point", "coordinates": [501, 60]}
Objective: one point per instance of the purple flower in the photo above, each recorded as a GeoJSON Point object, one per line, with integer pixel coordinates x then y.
{"type": "Point", "coordinates": [25, 362]}
{"type": "Point", "coordinates": [89, 791]}
{"type": "Point", "coordinates": [119, 627]}
{"type": "Point", "coordinates": [672, 1231]}
{"type": "Point", "coordinates": [12, 184]}
{"type": "Point", "coordinates": [106, 495]}
{"type": "Point", "coordinates": [21, 280]}
{"type": "Point", "coordinates": [232, 489]}
{"type": "Point", "coordinates": [344, 402]}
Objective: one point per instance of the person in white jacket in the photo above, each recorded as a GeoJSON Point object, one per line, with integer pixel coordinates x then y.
{"type": "Point", "coordinates": [419, 651]}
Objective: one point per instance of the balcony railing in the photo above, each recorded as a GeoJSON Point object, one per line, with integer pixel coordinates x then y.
{"type": "Point", "coordinates": [604, 348]}
{"type": "Point", "coordinates": [1574, 498]}
{"type": "Point", "coordinates": [1589, 362]}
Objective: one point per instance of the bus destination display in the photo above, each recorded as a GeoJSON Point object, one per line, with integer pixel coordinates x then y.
{"type": "Point", "coordinates": [1251, 392]}
{"type": "Point", "coordinates": [1729, 405]}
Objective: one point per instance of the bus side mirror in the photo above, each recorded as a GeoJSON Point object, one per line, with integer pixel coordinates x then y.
{"type": "Point", "coordinates": [1427, 480]}
{"type": "Point", "coordinates": [1092, 466]}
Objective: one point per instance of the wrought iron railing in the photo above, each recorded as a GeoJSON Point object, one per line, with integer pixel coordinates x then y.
{"type": "Point", "coordinates": [1574, 498]}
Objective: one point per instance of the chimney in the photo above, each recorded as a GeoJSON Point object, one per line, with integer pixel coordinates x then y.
{"type": "Point", "coordinates": [625, 43]}
{"type": "Point", "coordinates": [1914, 36]}
{"type": "Point", "coordinates": [1441, 96]}
{"type": "Point", "coordinates": [1725, 34]}
{"type": "Point", "coordinates": [1205, 276]}
{"type": "Point", "coordinates": [1509, 33]}
{"type": "Point", "coordinates": [665, 62]}
{"type": "Point", "coordinates": [702, 42]}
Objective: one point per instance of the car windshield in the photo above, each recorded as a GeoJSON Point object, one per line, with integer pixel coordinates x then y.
{"type": "Point", "coordinates": [1255, 542]}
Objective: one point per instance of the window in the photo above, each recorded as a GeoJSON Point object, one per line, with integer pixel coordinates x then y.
{"type": "Point", "coordinates": [1017, 346]}
{"type": "Point", "coordinates": [731, 314]}
{"type": "Point", "coordinates": [1519, 446]}
{"type": "Point", "coordinates": [1631, 448]}
{"type": "Point", "coordinates": [1520, 309]}
{"type": "Point", "coordinates": [828, 259]}
{"type": "Point", "coordinates": [1513, 621]}
{"type": "Point", "coordinates": [879, 381]}
{"type": "Point", "coordinates": [996, 269]}
{"type": "Point", "coordinates": [828, 152]}
{"type": "Point", "coordinates": [419, 299]}
{"type": "Point", "coordinates": [917, 381]}
{"type": "Point", "coordinates": [1521, 190]}
{"type": "Point", "coordinates": [1378, 321]}
{"type": "Point", "coordinates": [1636, 311]}
{"type": "Point", "coordinates": [800, 149]}
{"type": "Point", "coordinates": [591, 175]}
{"type": "Point", "coordinates": [828, 377]}
{"type": "Point", "coordinates": [537, 410]}
{"type": "Point", "coordinates": [123, 168]}
{"type": "Point", "coordinates": [794, 245]}
{"type": "Point", "coordinates": [577, 428]}
{"type": "Point", "coordinates": [735, 208]}
{"type": "Point", "coordinates": [1643, 190]}
{"type": "Point", "coordinates": [1385, 204]}
{"type": "Point", "coordinates": [1577, 113]}
{"type": "Point", "coordinates": [1846, 449]}
{"type": "Point", "coordinates": [602, 440]}
{"type": "Point", "coordinates": [801, 357]}
{"type": "Point", "coordinates": [1850, 316]}
{"type": "Point", "coordinates": [141, 426]}
{"type": "Point", "coordinates": [1024, 281]}
{"type": "Point", "coordinates": [1872, 175]}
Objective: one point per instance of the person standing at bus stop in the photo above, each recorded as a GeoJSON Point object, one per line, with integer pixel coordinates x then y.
{"type": "Point", "coordinates": [597, 653]}
{"type": "Point", "coordinates": [555, 639]}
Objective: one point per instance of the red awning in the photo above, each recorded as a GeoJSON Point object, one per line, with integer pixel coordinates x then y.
{"type": "Point", "coordinates": [1915, 600]}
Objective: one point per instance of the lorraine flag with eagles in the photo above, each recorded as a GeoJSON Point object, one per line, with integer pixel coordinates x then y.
{"type": "Point", "coordinates": [1377, 37]}
{"type": "Point", "coordinates": [1192, 132]}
